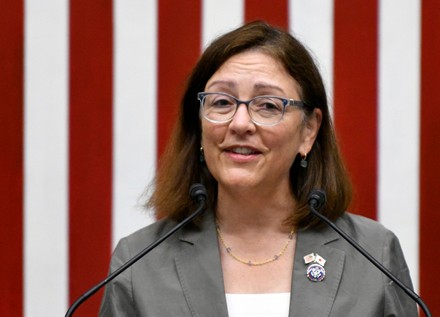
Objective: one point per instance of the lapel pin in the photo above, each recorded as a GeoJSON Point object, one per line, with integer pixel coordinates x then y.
{"type": "Point", "coordinates": [315, 271]}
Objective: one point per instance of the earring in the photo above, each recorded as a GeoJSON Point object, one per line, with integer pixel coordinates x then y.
{"type": "Point", "coordinates": [202, 156]}
{"type": "Point", "coordinates": [304, 160]}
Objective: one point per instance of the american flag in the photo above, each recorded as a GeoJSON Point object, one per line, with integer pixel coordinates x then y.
{"type": "Point", "coordinates": [90, 89]}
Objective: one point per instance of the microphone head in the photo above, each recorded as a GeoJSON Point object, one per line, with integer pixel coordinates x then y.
{"type": "Point", "coordinates": [198, 192]}
{"type": "Point", "coordinates": [317, 199]}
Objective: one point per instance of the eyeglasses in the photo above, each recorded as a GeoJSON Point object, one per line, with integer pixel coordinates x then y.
{"type": "Point", "coordinates": [219, 107]}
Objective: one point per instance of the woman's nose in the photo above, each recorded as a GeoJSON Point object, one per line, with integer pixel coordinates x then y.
{"type": "Point", "coordinates": [242, 122]}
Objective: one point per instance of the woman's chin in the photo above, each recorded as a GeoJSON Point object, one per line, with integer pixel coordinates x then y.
{"type": "Point", "coordinates": [239, 183]}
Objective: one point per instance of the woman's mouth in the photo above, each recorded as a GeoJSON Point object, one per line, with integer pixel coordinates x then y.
{"type": "Point", "coordinates": [242, 150]}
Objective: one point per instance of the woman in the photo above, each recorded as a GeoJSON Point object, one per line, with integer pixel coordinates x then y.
{"type": "Point", "coordinates": [255, 129]}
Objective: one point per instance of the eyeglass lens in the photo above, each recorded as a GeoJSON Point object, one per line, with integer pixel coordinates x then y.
{"type": "Point", "coordinates": [221, 108]}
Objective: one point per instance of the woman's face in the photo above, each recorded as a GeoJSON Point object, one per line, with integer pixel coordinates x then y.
{"type": "Point", "coordinates": [243, 155]}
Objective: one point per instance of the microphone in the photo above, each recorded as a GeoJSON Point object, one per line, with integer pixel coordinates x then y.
{"type": "Point", "coordinates": [317, 199]}
{"type": "Point", "coordinates": [198, 193]}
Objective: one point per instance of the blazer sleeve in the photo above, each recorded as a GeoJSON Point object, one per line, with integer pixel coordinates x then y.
{"type": "Point", "coordinates": [118, 296]}
{"type": "Point", "coordinates": [397, 302]}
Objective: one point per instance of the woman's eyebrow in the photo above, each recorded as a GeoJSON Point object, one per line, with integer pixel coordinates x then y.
{"type": "Point", "coordinates": [257, 86]}
{"type": "Point", "coordinates": [227, 83]}
{"type": "Point", "coordinates": [261, 86]}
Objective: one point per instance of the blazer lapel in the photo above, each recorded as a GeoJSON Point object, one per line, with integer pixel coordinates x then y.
{"type": "Point", "coordinates": [199, 269]}
{"type": "Point", "coordinates": [315, 298]}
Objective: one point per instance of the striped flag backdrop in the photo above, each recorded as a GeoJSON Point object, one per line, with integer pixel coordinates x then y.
{"type": "Point", "coordinates": [89, 92]}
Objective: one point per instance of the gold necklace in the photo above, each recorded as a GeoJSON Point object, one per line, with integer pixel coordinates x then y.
{"type": "Point", "coordinates": [255, 263]}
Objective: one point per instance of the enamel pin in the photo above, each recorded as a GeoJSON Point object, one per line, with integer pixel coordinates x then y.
{"type": "Point", "coordinates": [315, 271]}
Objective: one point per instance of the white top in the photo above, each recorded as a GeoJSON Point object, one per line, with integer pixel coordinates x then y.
{"type": "Point", "coordinates": [258, 305]}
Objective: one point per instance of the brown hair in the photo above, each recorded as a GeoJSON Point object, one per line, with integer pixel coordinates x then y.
{"type": "Point", "coordinates": [180, 165]}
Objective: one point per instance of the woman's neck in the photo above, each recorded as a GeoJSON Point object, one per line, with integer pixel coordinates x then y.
{"type": "Point", "coordinates": [245, 210]}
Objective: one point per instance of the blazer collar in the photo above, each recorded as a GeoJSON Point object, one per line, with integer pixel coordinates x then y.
{"type": "Point", "coordinates": [199, 269]}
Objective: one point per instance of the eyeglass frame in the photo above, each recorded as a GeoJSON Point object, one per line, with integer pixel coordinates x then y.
{"type": "Point", "coordinates": [286, 102]}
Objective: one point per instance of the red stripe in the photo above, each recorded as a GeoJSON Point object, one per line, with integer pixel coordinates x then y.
{"type": "Point", "coordinates": [11, 159]}
{"type": "Point", "coordinates": [355, 96]}
{"type": "Point", "coordinates": [179, 47]}
{"type": "Point", "coordinates": [430, 154]}
{"type": "Point", "coordinates": [273, 12]}
{"type": "Point", "coordinates": [90, 156]}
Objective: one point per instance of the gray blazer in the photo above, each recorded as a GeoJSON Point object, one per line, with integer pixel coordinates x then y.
{"type": "Point", "coordinates": [183, 276]}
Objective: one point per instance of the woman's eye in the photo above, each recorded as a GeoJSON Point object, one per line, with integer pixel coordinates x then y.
{"type": "Point", "coordinates": [270, 106]}
{"type": "Point", "coordinates": [267, 105]}
{"type": "Point", "coordinates": [221, 103]}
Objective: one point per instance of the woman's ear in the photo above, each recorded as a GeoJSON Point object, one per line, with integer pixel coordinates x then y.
{"type": "Point", "coordinates": [311, 129]}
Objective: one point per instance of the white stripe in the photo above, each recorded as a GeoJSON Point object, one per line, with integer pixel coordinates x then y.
{"type": "Point", "coordinates": [134, 147]}
{"type": "Point", "coordinates": [219, 17]}
{"type": "Point", "coordinates": [312, 24]}
{"type": "Point", "coordinates": [399, 108]}
{"type": "Point", "coordinates": [46, 135]}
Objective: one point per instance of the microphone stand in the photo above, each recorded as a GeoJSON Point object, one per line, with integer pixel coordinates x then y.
{"type": "Point", "coordinates": [200, 195]}
{"type": "Point", "coordinates": [316, 200]}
